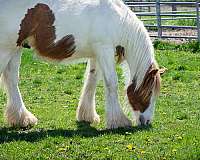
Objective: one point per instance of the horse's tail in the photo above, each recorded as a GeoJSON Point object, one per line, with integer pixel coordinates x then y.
{"type": "Point", "coordinates": [38, 29]}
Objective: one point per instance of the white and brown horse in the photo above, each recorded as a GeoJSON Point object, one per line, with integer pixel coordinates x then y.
{"type": "Point", "coordinates": [65, 30]}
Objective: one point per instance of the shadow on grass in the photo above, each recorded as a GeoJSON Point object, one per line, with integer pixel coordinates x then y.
{"type": "Point", "coordinates": [83, 130]}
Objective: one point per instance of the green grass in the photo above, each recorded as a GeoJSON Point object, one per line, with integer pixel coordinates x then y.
{"type": "Point", "coordinates": [190, 46]}
{"type": "Point", "coordinates": [151, 20]}
{"type": "Point", "coordinates": [52, 92]}
{"type": "Point", "coordinates": [176, 22]}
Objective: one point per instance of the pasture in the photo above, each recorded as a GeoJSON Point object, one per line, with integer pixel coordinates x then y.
{"type": "Point", "coordinates": [52, 92]}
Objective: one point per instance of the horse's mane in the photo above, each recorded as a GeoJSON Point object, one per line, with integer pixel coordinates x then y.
{"type": "Point", "coordinates": [139, 48]}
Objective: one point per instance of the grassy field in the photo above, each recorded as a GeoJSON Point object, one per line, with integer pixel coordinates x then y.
{"type": "Point", "coordinates": [52, 92]}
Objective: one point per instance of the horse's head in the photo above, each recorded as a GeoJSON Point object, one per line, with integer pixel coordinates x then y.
{"type": "Point", "coordinates": [142, 98]}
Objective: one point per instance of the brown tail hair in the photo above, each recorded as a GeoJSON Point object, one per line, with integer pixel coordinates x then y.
{"type": "Point", "coordinates": [38, 24]}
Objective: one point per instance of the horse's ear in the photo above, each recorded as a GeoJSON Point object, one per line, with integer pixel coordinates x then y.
{"type": "Point", "coordinates": [162, 70]}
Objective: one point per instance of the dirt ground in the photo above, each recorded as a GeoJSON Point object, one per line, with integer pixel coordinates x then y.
{"type": "Point", "coordinates": [179, 32]}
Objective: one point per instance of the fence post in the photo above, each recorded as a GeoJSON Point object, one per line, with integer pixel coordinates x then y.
{"type": "Point", "coordinates": [149, 8]}
{"type": "Point", "coordinates": [140, 6]}
{"type": "Point", "coordinates": [198, 24]}
{"type": "Point", "coordinates": [158, 19]}
{"type": "Point", "coordinates": [174, 7]}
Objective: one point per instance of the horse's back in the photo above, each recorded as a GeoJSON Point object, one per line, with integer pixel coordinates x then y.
{"type": "Point", "coordinates": [88, 20]}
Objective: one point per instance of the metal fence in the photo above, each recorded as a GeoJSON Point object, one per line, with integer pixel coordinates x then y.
{"type": "Point", "coordinates": [158, 12]}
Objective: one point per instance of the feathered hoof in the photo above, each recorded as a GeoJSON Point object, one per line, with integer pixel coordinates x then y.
{"type": "Point", "coordinates": [24, 119]}
{"type": "Point", "coordinates": [119, 122]}
{"type": "Point", "coordinates": [91, 119]}
{"type": "Point", "coordinates": [87, 116]}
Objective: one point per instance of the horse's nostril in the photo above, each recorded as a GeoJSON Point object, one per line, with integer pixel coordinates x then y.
{"type": "Point", "coordinates": [148, 122]}
{"type": "Point", "coordinates": [142, 119]}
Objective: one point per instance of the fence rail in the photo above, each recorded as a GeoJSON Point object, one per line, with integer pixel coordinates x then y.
{"type": "Point", "coordinates": [157, 13]}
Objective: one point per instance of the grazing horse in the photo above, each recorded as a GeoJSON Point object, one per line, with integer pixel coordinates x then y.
{"type": "Point", "coordinates": [66, 30]}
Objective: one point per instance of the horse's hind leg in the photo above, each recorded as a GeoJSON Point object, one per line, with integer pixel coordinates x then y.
{"type": "Point", "coordinates": [16, 113]}
{"type": "Point", "coordinates": [105, 58]}
{"type": "Point", "coordinates": [86, 109]}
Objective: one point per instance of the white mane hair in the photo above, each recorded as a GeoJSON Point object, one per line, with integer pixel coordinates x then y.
{"type": "Point", "coordinates": [139, 57]}
{"type": "Point", "coordinates": [140, 51]}
{"type": "Point", "coordinates": [64, 31]}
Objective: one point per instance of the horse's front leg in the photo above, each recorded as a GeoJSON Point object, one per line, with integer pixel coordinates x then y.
{"type": "Point", "coordinates": [106, 60]}
{"type": "Point", "coordinates": [86, 109]}
{"type": "Point", "coordinates": [16, 112]}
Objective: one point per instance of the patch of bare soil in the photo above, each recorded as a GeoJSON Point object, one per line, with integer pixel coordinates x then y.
{"type": "Point", "coordinates": [177, 33]}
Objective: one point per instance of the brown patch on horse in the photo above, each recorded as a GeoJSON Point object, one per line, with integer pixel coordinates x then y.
{"type": "Point", "coordinates": [120, 52]}
{"type": "Point", "coordinates": [140, 98]}
{"type": "Point", "coordinates": [38, 25]}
